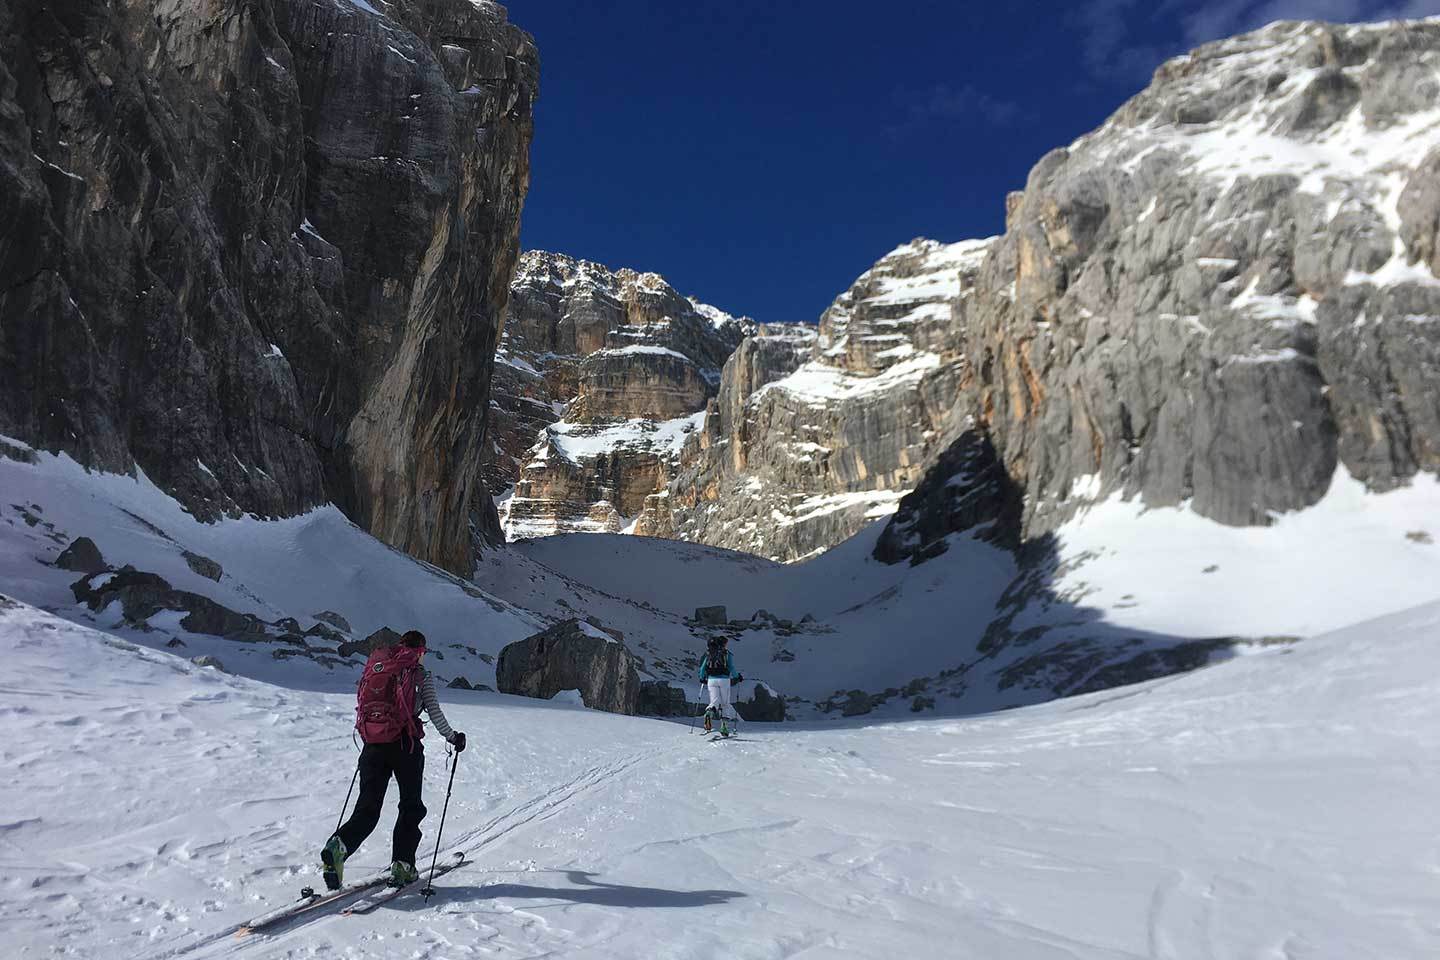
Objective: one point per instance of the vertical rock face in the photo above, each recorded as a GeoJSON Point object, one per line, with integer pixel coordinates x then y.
{"type": "Point", "coordinates": [261, 250]}
{"type": "Point", "coordinates": [816, 433]}
{"type": "Point", "coordinates": [611, 371]}
{"type": "Point", "coordinates": [1228, 289]}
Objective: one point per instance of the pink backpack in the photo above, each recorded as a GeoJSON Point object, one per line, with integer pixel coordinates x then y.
{"type": "Point", "coordinates": [385, 697]}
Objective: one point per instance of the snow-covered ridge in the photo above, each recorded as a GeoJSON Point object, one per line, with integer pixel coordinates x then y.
{"type": "Point", "coordinates": [578, 441]}
{"type": "Point", "coordinates": [1262, 123]}
{"type": "Point", "coordinates": [821, 384]}
{"type": "Point", "coordinates": [917, 282]}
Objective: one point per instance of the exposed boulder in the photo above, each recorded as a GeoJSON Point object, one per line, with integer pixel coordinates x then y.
{"type": "Point", "coordinates": [204, 566]}
{"type": "Point", "coordinates": [82, 556]}
{"type": "Point", "coordinates": [572, 655]}
{"type": "Point", "coordinates": [711, 616]}
{"type": "Point", "coordinates": [460, 683]}
{"type": "Point", "coordinates": [658, 698]}
{"type": "Point", "coordinates": [764, 706]}
{"type": "Point", "coordinates": [334, 619]}
{"type": "Point", "coordinates": [143, 595]}
{"type": "Point", "coordinates": [384, 637]}
{"type": "Point", "coordinates": [209, 661]}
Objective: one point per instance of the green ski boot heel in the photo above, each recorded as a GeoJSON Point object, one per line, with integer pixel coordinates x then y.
{"type": "Point", "coordinates": [333, 858]}
{"type": "Point", "coordinates": [402, 873]}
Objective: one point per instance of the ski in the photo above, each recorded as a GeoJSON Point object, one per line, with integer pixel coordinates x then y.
{"type": "Point", "coordinates": [381, 897]}
{"type": "Point", "coordinates": [309, 901]}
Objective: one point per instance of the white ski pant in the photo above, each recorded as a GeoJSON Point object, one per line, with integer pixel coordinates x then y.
{"type": "Point", "coordinates": [720, 696]}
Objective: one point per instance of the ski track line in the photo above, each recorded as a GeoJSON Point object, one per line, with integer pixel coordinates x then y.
{"type": "Point", "coordinates": [548, 804]}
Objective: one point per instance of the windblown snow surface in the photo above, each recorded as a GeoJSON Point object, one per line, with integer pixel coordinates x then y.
{"type": "Point", "coordinates": [1277, 805]}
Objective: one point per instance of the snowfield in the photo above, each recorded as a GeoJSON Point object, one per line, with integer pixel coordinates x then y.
{"type": "Point", "coordinates": [1279, 805]}
{"type": "Point", "coordinates": [1124, 575]}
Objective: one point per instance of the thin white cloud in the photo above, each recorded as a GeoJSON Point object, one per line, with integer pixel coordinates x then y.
{"type": "Point", "coordinates": [1120, 42]}
{"type": "Point", "coordinates": [1215, 20]}
{"type": "Point", "coordinates": [945, 104]}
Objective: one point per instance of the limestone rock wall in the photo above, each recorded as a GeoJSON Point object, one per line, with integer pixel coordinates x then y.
{"type": "Point", "coordinates": [605, 373]}
{"type": "Point", "coordinates": [261, 249]}
{"type": "Point", "coordinates": [1228, 290]}
{"type": "Point", "coordinates": [817, 432]}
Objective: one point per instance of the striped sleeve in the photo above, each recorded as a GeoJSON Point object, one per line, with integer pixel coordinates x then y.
{"type": "Point", "coordinates": [431, 705]}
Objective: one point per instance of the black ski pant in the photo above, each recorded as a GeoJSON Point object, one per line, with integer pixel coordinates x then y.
{"type": "Point", "coordinates": [405, 761]}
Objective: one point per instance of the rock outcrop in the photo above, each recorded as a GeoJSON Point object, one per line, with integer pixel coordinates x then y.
{"type": "Point", "coordinates": [1218, 298]}
{"type": "Point", "coordinates": [141, 597]}
{"type": "Point", "coordinates": [604, 375]}
{"type": "Point", "coordinates": [967, 490]}
{"type": "Point", "coordinates": [1229, 290]}
{"type": "Point", "coordinates": [82, 556]}
{"type": "Point", "coordinates": [261, 249]}
{"type": "Point", "coordinates": [572, 655]}
{"type": "Point", "coordinates": [817, 432]}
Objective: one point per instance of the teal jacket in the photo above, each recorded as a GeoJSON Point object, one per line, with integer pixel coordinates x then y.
{"type": "Point", "coordinates": [729, 667]}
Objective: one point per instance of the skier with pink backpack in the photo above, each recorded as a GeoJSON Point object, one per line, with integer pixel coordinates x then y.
{"type": "Point", "coordinates": [392, 691]}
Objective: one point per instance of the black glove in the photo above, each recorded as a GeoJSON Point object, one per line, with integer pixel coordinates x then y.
{"type": "Point", "coordinates": [739, 679]}
{"type": "Point", "coordinates": [458, 742]}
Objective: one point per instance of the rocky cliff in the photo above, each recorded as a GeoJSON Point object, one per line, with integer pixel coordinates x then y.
{"type": "Point", "coordinates": [602, 375]}
{"type": "Point", "coordinates": [260, 250]}
{"type": "Point", "coordinates": [1229, 290]}
{"type": "Point", "coordinates": [817, 432]}
{"type": "Point", "coordinates": [1221, 296]}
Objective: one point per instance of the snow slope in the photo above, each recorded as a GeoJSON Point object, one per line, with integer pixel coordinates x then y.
{"type": "Point", "coordinates": [1278, 805]}
{"type": "Point", "coordinates": [1127, 580]}
{"type": "Point", "coordinates": [280, 568]}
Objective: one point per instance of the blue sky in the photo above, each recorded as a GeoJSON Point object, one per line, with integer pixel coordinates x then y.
{"type": "Point", "coordinates": [762, 154]}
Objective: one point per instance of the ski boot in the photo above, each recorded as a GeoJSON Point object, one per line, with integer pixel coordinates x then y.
{"type": "Point", "coordinates": [724, 728]}
{"type": "Point", "coordinates": [402, 873]}
{"type": "Point", "coordinates": [708, 723]}
{"type": "Point", "coordinates": [332, 855]}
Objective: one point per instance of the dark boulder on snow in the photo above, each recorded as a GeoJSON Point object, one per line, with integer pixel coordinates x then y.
{"type": "Point", "coordinates": [204, 566]}
{"type": "Point", "coordinates": [572, 655]}
{"type": "Point", "coordinates": [384, 637]}
{"type": "Point", "coordinates": [764, 706]}
{"type": "Point", "coordinates": [82, 556]}
{"type": "Point", "coordinates": [658, 698]}
{"type": "Point", "coordinates": [209, 661]}
{"type": "Point", "coordinates": [142, 596]}
{"type": "Point", "coordinates": [460, 683]}
{"type": "Point", "coordinates": [335, 620]}
{"type": "Point", "coordinates": [711, 616]}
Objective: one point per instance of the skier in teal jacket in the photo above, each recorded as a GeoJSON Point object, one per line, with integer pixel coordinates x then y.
{"type": "Point", "coordinates": [717, 670]}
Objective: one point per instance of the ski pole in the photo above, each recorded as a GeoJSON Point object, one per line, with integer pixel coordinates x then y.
{"type": "Point", "coordinates": [429, 890]}
{"type": "Point", "coordinates": [347, 796]}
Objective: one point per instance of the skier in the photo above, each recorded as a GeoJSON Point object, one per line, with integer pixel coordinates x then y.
{"type": "Point", "coordinates": [392, 692]}
{"type": "Point", "coordinates": [717, 671]}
